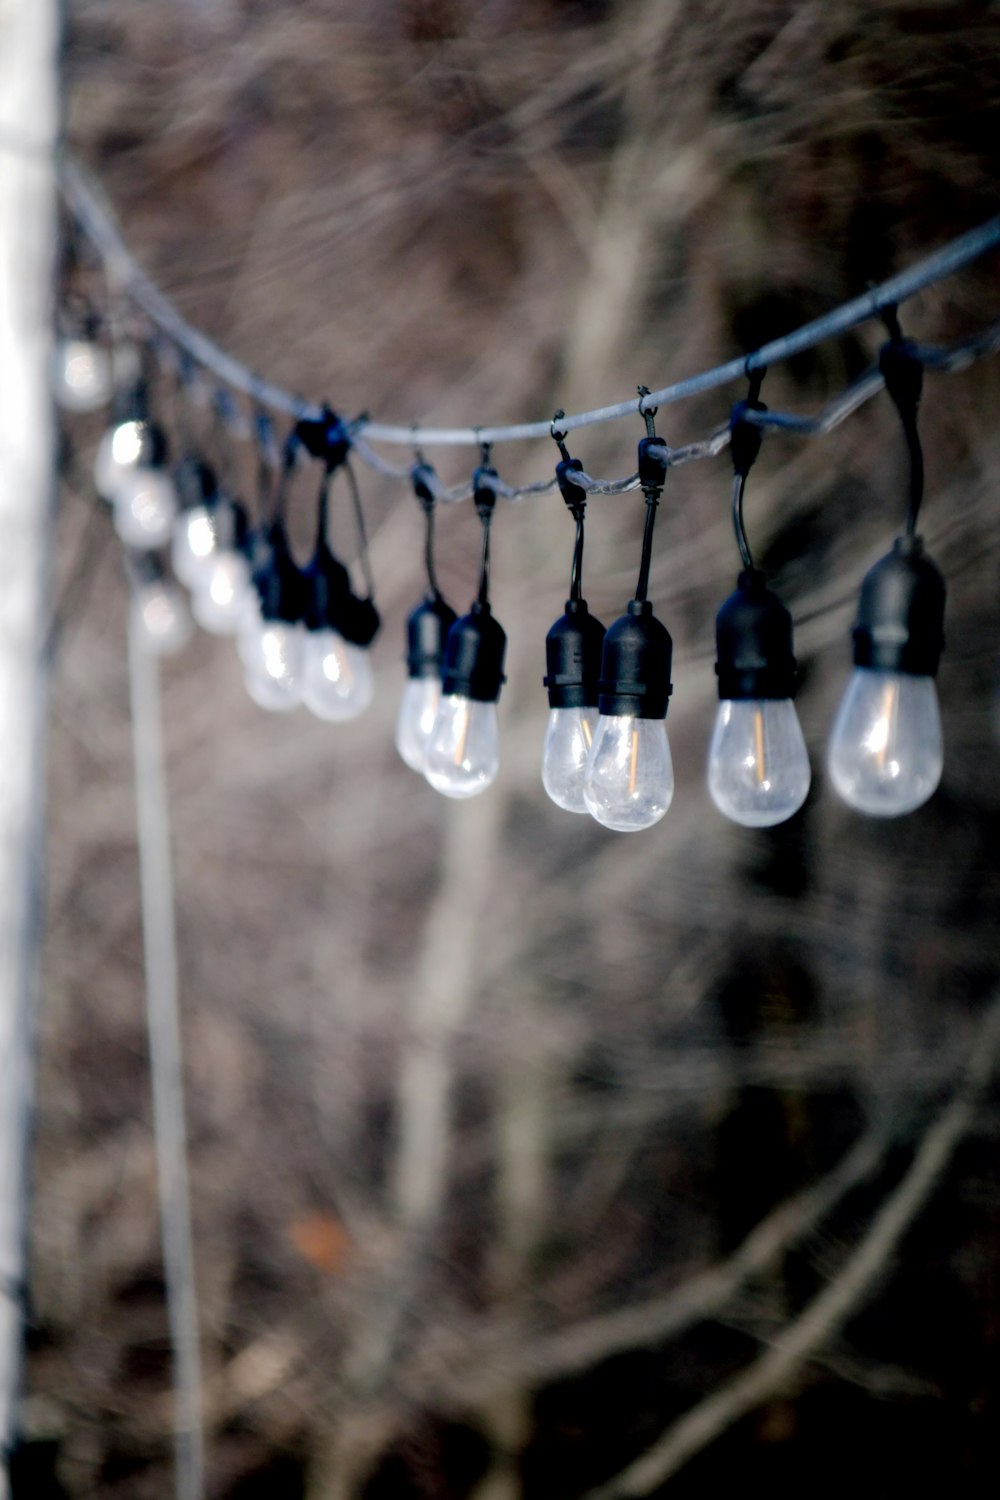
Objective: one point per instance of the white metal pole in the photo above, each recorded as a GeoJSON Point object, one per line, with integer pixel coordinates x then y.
{"type": "Point", "coordinates": [29, 121]}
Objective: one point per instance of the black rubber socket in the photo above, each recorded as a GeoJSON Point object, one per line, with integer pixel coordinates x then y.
{"type": "Point", "coordinates": [753, 642]}
{"type": "Point", "coordinates": [900, 621]}
{"type": "Point", "coordinates": [573, 652]}
{"type": "Point", "coordinates": [635, 665]}
{"type": "Point", "coordinates": [426, 632]}
{"type": "Point", "coordinates": [474, 656]}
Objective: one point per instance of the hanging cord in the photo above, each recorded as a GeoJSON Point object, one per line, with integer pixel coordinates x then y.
{"type": "Point", "coordinates": [652, 477]}
{"type": "Point", "coordinates": [166, 1068]}
{"type": "Point", "coordinates": [575, 497]}
{"type": "Point", "coordinates": [903, 372]}
{"type": "Point", "coordinates": [359, 517]}
{"type": "Point", "coordinates": [745, 438]}
{"type": "Point", "coordinates": [484, 497]}
{"type": "Point", "coordinates": [223, 422]}
{"type": "Point", "coordinates": [425, 487]}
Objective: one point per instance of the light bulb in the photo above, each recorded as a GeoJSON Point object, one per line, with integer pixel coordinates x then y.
{"type": "Point", "coordinates": [886, 749]}
{"type": "Point", "coordinates": [118, 452]}
{"type": "Point", "coordinates": [194, 546]}
{"type": "Point", "coordinates": [275, 658]}
{"type": "Point", "coordinates": [337, 681]}
{"type": "Point", "coordinates": [145, 504]}
{"type": "Point", "coordinates": [81, 375]}
{"type": "Point", "coordinates": [463, 748]}
{"type": "Point", "coordinates": [160, 617]}
{"type": "Point", "coordinates": [758, 765]}
{"type": "Point", "coordinates": [628, 783]}
{"type": "Point", "coordinates": [567, 744]}
{"type": "Point", "coordinates": [417, 711]}
{"type": "Point", "coordinates": [218, 602]}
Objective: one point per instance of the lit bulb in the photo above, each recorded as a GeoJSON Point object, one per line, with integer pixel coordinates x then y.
{"type": "Point", "coordinates": [195, 544]}
{"type": "Point", "coordinates": [629, 779]}
{"type": "Point", "coordinates": [758, 766]}
{"type": "Point", "coordinates": [274, 658]}
{"type": "Point", "coordinates": [81, 375]}
{"type": "Point", "coordinates": [160, 618]}
{"type": "Point", "coordinates": [463, 748]}
{"type": "Point", "coordinates": [567, 744]}
{"type": "Point", "coordinates": [417, 711]}
{"type": "Point", "coordinates": [886, 749]}
{"type": "Point", "coordinates": [337, 681]}
{"type": "Point", "coordinates": [118, 452]}
{"type": "Point", "coordinates": [218, 601]}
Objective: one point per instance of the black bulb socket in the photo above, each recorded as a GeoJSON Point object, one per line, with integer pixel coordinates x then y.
{"type": "Point", "coordinates": [195, 482]}
{"type": "Point", "coordinates": [427, 630]}
{"type": "Point", "coordinates": [474, 656]}
{"type": "Point", "coordinates": [573, 652]}
{"type": "Point", "coordinates": [330, 604]}
{"type": "Point", "coordinates": [153, 446]}
{"type": "Point", "coordinates": [900, 620]}
{"type": "Point", "coordinates": [635, 665]}
{"type": "Point", "coordinates": [278, 580]}
{"type": "Point", "coordinates": [753, 641]}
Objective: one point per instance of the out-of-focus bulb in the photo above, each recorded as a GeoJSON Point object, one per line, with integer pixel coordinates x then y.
{"type": "Point", "coordinates": [194, 546]}
{"type": "Point", "coordinates": [145, 503]}
{"type": "Point", "coordinates": [758, 765]}
{"type": "Point", "coordinates": [564, 757]}
{"type": "Point", "coordinates": [463, 748]}
{"type": "Point", "coordinates": [81, 376]}
{"type": "Point", "coordinates": [629, 779]}
{"type": "Point", "coordinates": [886, 749]}
{"type": "Point", "coordinates": [274, 659]}
{"type": "Point", "coordinates": [417, 712]}
{"type": "Point", "coordinates": [160, 617]}
{"type": "Point", "coordinates": [337, 682]}
{"type": "Point", "coordinates": [218, 601]}
{"type": "Point", "coordinates": [118, 452]}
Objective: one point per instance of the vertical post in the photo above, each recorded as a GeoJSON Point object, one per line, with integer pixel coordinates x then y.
{"type": "Point", "coordinates": [29, 119]}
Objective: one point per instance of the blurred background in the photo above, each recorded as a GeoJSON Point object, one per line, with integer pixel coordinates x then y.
{"type": "Point", "coordinates": [514, 1142]}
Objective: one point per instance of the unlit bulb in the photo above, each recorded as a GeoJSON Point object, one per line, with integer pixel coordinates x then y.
{"type": "Point", "coordinates": [81, 377]}
{"type": "Point", "coordinates": [145, 503]}
{"type": "Point", "coordinates": [568, 739]}
{"type": "Point", "coordinates": [274, 658]}
{"type": "Point", "coordinates": [628, 783]}
{"type": "Point", "coordinates": [463, 748]}
{"type": "Point", "coordinates": [337, 678]}
{"type": "Point", "coordinates": [758, 765]}
{"type": "Point", "coordinates": [160, 617]}
{"type": "Point", "coordinates": [886, 749]}
{"type": "Point", "coordinates": [417, 711]}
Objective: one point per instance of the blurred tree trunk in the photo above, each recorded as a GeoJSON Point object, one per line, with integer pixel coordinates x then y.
{"type": "Point", "coordinates": [28, 91]}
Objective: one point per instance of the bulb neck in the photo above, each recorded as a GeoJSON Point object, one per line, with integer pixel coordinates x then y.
{"type": "Point", "coordinates": [427, 629]}
{"type": "Point", "coordinates": [635, 665]}
{"type": "Point", "coordinates": [153, 446]}
{"type": "Point", "coordinates": [900, 620]}
{"type": "Point", "coordinates": [573, 649]}
{"type": "Point", "coordinates": [753, 639]}
{"type": "Point", "coordinates": [474, 656]}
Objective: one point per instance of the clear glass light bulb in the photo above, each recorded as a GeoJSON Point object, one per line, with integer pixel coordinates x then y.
{"type": "Point", "coordinates": [628, 783]}
{"type": "Point", "coordinates": [195, 545]}
{"type": "Point", "coordinates": [758, 765]}
{"type": "Point", "coordinates": [160, 618]}
{"type": "Point", "coordinates": [116, 457]}
{"type": "Point", "coordinates": [145, 504]}
{"type": "Point", "coordinates": [886, 749]}
{"type": "Point", "coordinates": [463, 747]}
{"type": "Point", "coordinates": [274, 667]}
{"type": "Point", "coordinates": [337, 682]}
{"type": "Point", "coordinates": [218, 600]}
{"type": "Point", "coordinates": [417, 712]}
{"type": "Point", "coordinates": [81, 375]}
{"type": "Point", "coordinates": [564, 758]}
